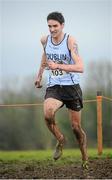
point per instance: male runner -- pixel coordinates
(62, 59)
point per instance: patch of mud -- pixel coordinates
(98, 169)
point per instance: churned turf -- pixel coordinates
(39, 164)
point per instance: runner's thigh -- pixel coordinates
(51, 105)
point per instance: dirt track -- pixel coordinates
(98, 169)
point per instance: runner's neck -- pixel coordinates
(57, 40)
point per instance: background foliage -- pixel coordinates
(24, 128)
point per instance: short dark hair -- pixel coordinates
(57, 16)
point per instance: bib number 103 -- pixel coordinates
(57, 72)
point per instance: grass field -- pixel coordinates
(42, 155)
(39, 164)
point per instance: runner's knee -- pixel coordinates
(79, 133)
(75, 126)
(76, 129)
(49, 115)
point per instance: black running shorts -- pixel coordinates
(71, 95)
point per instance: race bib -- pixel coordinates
(57, 72)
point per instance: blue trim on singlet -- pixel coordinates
(59, 42)
(70, 58)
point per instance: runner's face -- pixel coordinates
(55, 28)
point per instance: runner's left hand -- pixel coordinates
(52, 65)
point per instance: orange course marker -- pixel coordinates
(99, 122)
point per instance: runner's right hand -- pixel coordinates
(37, 84)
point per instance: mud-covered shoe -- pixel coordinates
(59, 150)
(85, 165)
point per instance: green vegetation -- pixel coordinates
(23, 128)
(69, 155)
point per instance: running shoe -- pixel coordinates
(59, 150)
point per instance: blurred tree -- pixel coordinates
(99, 78)
(24, 127)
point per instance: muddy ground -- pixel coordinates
(98, 169)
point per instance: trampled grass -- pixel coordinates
(45, 155)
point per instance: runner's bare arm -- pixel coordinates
(77, 67)
(42, 65)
